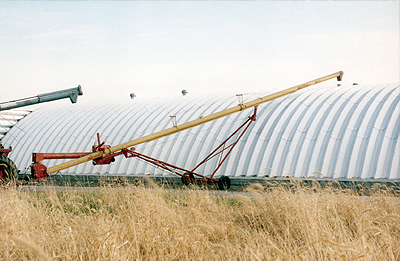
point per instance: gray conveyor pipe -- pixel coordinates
(71, 93)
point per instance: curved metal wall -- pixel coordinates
(9, 118)
(345, 132)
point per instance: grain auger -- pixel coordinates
(105, 154)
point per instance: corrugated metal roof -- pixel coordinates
(9, 119)
(341, 132)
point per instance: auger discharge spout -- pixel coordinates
(71, 93)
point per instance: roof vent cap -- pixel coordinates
(132, 95)
(184, 92)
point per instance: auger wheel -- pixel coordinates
(224, 183)
(187, 178)
(8, 171)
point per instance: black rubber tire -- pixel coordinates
(9, 172)
(224, 183)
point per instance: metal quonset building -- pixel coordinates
(338, 132)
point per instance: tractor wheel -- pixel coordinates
(8, 171)
(224, 183)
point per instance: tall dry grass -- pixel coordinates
(280, 222)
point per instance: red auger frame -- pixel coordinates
(5, 152)
(189, 176)
(38, 169)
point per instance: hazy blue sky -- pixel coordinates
(159, 48)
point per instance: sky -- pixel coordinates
(153, 48)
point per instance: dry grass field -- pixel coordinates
(279, 222)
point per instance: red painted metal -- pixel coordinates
(184, 173)
(104, 161)
(38, 157)
(38, 169)
(189, 175)
(5, 152)
(216, 152)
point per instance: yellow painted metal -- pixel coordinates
(191, 124)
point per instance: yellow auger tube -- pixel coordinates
(191, 124)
